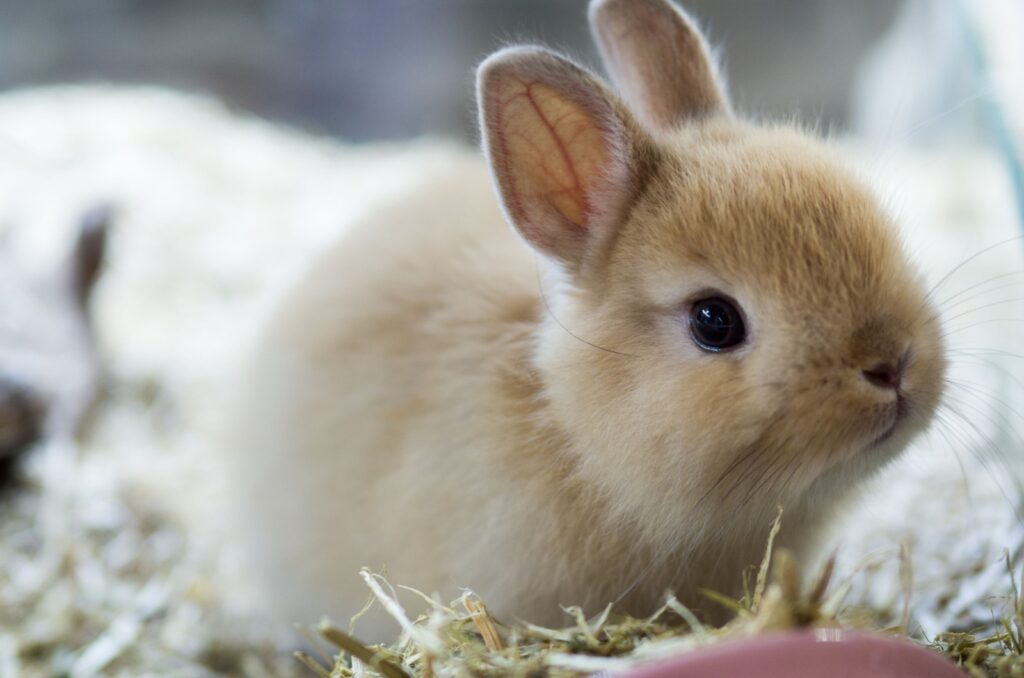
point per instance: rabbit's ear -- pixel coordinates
(86, 258)
(657, 57)
(563, 150)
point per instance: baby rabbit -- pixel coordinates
(48, 367)
(691, 322)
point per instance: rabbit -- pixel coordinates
(692, 321)
(49, 371)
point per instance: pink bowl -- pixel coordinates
(817, 653)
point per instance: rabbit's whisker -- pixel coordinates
(942, 281)
(986, 452)
(551, 314)
(982, 307)
(946, 305)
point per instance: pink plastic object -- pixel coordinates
(818, 653)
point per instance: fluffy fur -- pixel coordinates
(435, 399)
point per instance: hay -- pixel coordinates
(95, 583)
(463, 639)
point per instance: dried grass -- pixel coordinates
(463, 639)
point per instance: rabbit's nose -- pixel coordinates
(885, 375)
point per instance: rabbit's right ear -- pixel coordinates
(657, 57)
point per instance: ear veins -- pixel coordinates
(562, 152)
(576, 211)
(567, 194)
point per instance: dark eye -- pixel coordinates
(716, 324)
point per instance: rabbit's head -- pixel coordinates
(733, 323)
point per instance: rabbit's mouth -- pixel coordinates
(886, 435)
(896, 413)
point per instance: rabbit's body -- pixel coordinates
(437, 401)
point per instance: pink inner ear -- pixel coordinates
(553, 152)
(659, 60)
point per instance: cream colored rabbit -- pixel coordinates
(692, 321)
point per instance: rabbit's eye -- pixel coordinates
(716, 324)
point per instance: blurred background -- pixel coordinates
(400, 68)
(397, 68)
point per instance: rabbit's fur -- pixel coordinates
(528, 416)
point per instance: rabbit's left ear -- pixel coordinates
(565, 154)
(657, 57)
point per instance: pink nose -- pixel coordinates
(885, 375)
